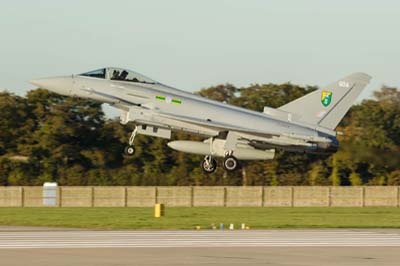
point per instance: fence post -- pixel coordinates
(22, 197)
(92, 197)
(262, 196)
(191, 196)
(156, 195)
(329, 196)
(59, 197)
(125, 197)
(225, 196)
(363, 196)
(292, 197)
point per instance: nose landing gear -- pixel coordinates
(209, 164)
(130, 149)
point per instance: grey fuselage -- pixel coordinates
(159, 99)
(192, 106)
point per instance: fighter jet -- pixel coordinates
(304, 125)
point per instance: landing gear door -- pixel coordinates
(154, 131)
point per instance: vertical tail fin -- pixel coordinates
(327, 106)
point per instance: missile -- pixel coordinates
(242, 152)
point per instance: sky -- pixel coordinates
(195, 44)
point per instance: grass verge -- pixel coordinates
(188, 218)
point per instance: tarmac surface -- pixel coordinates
(45, 246)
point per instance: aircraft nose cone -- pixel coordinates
(35, 82)
(60, 85)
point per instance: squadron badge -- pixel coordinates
(326, 98)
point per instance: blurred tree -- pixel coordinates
(394, 178)
(14, 121)
(47, 137)
(221, 93)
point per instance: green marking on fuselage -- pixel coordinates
(160, 98)
(176, 101)
(164, 99)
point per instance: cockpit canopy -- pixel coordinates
(118, 74)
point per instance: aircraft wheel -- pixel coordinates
(230, 163)
(209, 165)
(130, 150)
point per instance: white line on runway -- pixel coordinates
(254, 238)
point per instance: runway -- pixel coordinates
(201, 238)
(61, 247)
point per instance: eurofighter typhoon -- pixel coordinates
(304, 125)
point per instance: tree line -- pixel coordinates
(46, 137)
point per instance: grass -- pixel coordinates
(188, 218)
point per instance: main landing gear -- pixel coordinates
(230, 163)
(209, 164)
(130, 149)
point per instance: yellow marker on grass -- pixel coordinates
(159, 210)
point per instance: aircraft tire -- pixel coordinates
(129, 150)
(230, 163)
(209, 169)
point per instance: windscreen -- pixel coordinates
(98, 73)
(128, 75)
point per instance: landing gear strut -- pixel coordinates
(209, 164)
(130, 149)
(230, 163)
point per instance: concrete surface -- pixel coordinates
(219, 196)
(36, 246)
(381, 196)
(109, 197)
(299, 256)
(275, 196)
(8, 228)
(48, 246)
(311, 196)
(10, 196)
(201, 238)
(208, 196)
(244, 196)
(175, 196)
(141, 196)
(347, 196)
(32, 196)
(78, 196)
